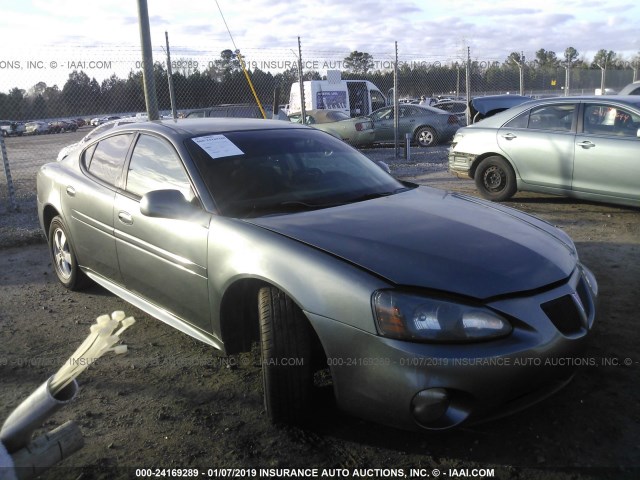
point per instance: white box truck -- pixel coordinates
(354, 97)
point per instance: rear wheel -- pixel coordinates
(287, 375)
(495, 179)
(426, 137)
(63, 257)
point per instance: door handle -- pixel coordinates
(125, 217)
(71, 191)
(586, 144)
(509, 136)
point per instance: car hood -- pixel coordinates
(437, 240)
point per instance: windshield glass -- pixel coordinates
(266, 172)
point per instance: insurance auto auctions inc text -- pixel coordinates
(370, 473)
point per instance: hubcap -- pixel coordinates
(61, 254)
(426, 138)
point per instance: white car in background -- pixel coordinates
(36, 128)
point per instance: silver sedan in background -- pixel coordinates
(583, 147)
(260, 231)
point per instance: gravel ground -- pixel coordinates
(172, 403)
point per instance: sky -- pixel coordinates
(45, 40)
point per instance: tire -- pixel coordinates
(426, 137)
(285, 337)
(63, 257)
(495, 179)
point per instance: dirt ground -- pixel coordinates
(170, 402)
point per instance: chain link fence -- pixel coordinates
(54, 97)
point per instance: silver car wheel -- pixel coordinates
(426, 137)
(61, 254)
(63, 257)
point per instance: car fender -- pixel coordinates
(239, 251)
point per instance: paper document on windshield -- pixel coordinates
(218, 146)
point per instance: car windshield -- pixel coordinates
(266, 172)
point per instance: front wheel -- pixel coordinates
(64, 258)
(426, 137)
(495, 179)
(285, 338)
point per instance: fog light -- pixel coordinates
(430, 405)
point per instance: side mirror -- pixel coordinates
(169, 204)
(384, 166)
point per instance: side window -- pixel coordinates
(108, 158)
(199, 114)
(552, 117)
(155, 165)
(386, 114)
(608, 120)
(521, 121)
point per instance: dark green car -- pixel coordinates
(246, 231)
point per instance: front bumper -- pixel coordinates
(439, 386)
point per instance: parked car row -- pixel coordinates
(94, 122)
(39, 127)
(11, 128)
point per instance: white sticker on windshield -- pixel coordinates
(218, 146)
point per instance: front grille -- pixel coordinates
(566, 313)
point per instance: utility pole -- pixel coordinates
(396, 125)
(147, 62)
(567, 75)
(468, 83)
(172, 97)
(303, 110)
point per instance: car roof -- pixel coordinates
(500, 118)
(193, 127)
(631, 89)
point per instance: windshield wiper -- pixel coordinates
(372, 195)
(300, 206)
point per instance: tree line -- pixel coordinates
(225, 82)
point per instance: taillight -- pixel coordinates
(360, 126)
(452, 119)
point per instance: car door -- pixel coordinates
(607, 157)
(410, 118)
(383, 124)
(87, 203)
(540, 143)
(161, 259)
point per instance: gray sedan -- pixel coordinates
(239, 232)
(582, 147)
(425, 125)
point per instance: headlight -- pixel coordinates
(412, 317)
